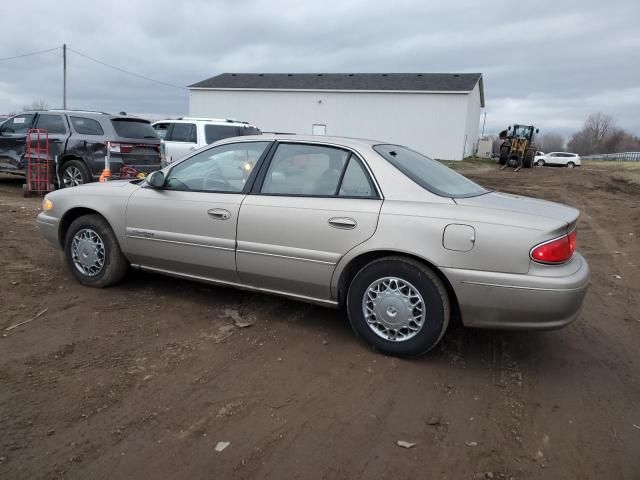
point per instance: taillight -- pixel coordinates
(115, 147)
(557, 250)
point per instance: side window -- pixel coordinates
(18, 124)
(297, 169)
(86, 126)
(182, 132)
(355, 182)
(54, 124)
(219, 169)
(213, 133)
(161, 129)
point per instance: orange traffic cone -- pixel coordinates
(105, 175)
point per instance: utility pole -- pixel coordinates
(64, 76)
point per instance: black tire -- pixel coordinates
(114, 265)
(74, 172)
(427, 284)
(571, 165)
(504, 154)
(540, 163)
(514, 161)
(527, 161)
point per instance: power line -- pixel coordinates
(122, 70)
(30, 54)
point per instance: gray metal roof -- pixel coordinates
(427, 82)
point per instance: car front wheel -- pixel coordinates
(571, 165)
(398, 306)
(92, 252)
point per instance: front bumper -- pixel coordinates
(546, 298)
(48, 227)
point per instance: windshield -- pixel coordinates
(429, 174)
(521, 131)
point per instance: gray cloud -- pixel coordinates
(549, 63)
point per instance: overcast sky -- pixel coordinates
(548, 63)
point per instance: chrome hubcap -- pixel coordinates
(393, 309)
(87, 252)
(72, 177)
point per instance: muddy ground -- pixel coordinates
(144, 379)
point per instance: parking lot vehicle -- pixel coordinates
(564, 159)
(79, 140)
(182, 136)
(537, 157)
(517, 149)
(397, 239)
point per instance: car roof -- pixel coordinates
(339, 141)
(214, 121)
(88, 113)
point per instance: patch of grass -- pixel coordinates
(629, 171)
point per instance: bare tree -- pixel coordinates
(36, 105)
(551, 142)
(598, 126)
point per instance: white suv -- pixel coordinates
(565, 159)
(186, 134)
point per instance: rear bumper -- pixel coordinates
(48, 227)
(546, 298)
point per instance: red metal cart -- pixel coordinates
(39, 165)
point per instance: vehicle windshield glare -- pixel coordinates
(429, 174)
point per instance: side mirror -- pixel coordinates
(537, 130)
(156, 179)
(509, 128)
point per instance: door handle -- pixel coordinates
(344, 223)
(219, 214)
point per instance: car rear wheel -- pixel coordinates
(92, 252)
(540, 163)
(74, 173)
(398, 306)
(570, 164)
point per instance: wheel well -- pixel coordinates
(360, 261)
(68, 219)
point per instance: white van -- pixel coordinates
(186, 134)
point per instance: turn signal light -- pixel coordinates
(47, 204)
(558, 250)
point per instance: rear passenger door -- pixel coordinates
(181, 139)
(309, 207)
(88, 142)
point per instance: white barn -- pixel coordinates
(437, 114)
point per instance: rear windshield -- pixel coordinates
(250, 131)
(213, 133)
(429, 174)
(130, 128)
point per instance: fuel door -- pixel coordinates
(458, 237)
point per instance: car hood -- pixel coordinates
(524, 207)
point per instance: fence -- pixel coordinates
(619, 157)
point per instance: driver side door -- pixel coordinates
(13, 141)
(188, 226)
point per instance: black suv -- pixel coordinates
(79, 139)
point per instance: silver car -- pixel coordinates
(398, 240)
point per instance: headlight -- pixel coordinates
(47, 204)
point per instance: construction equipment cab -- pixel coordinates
(517, 149)
(182, 136)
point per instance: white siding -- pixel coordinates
(472, 124)
(435, 124)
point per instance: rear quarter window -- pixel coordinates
(86, 126)
(213, 133)
(130, 128)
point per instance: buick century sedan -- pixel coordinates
(400, 241)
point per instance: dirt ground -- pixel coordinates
(143, 380)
